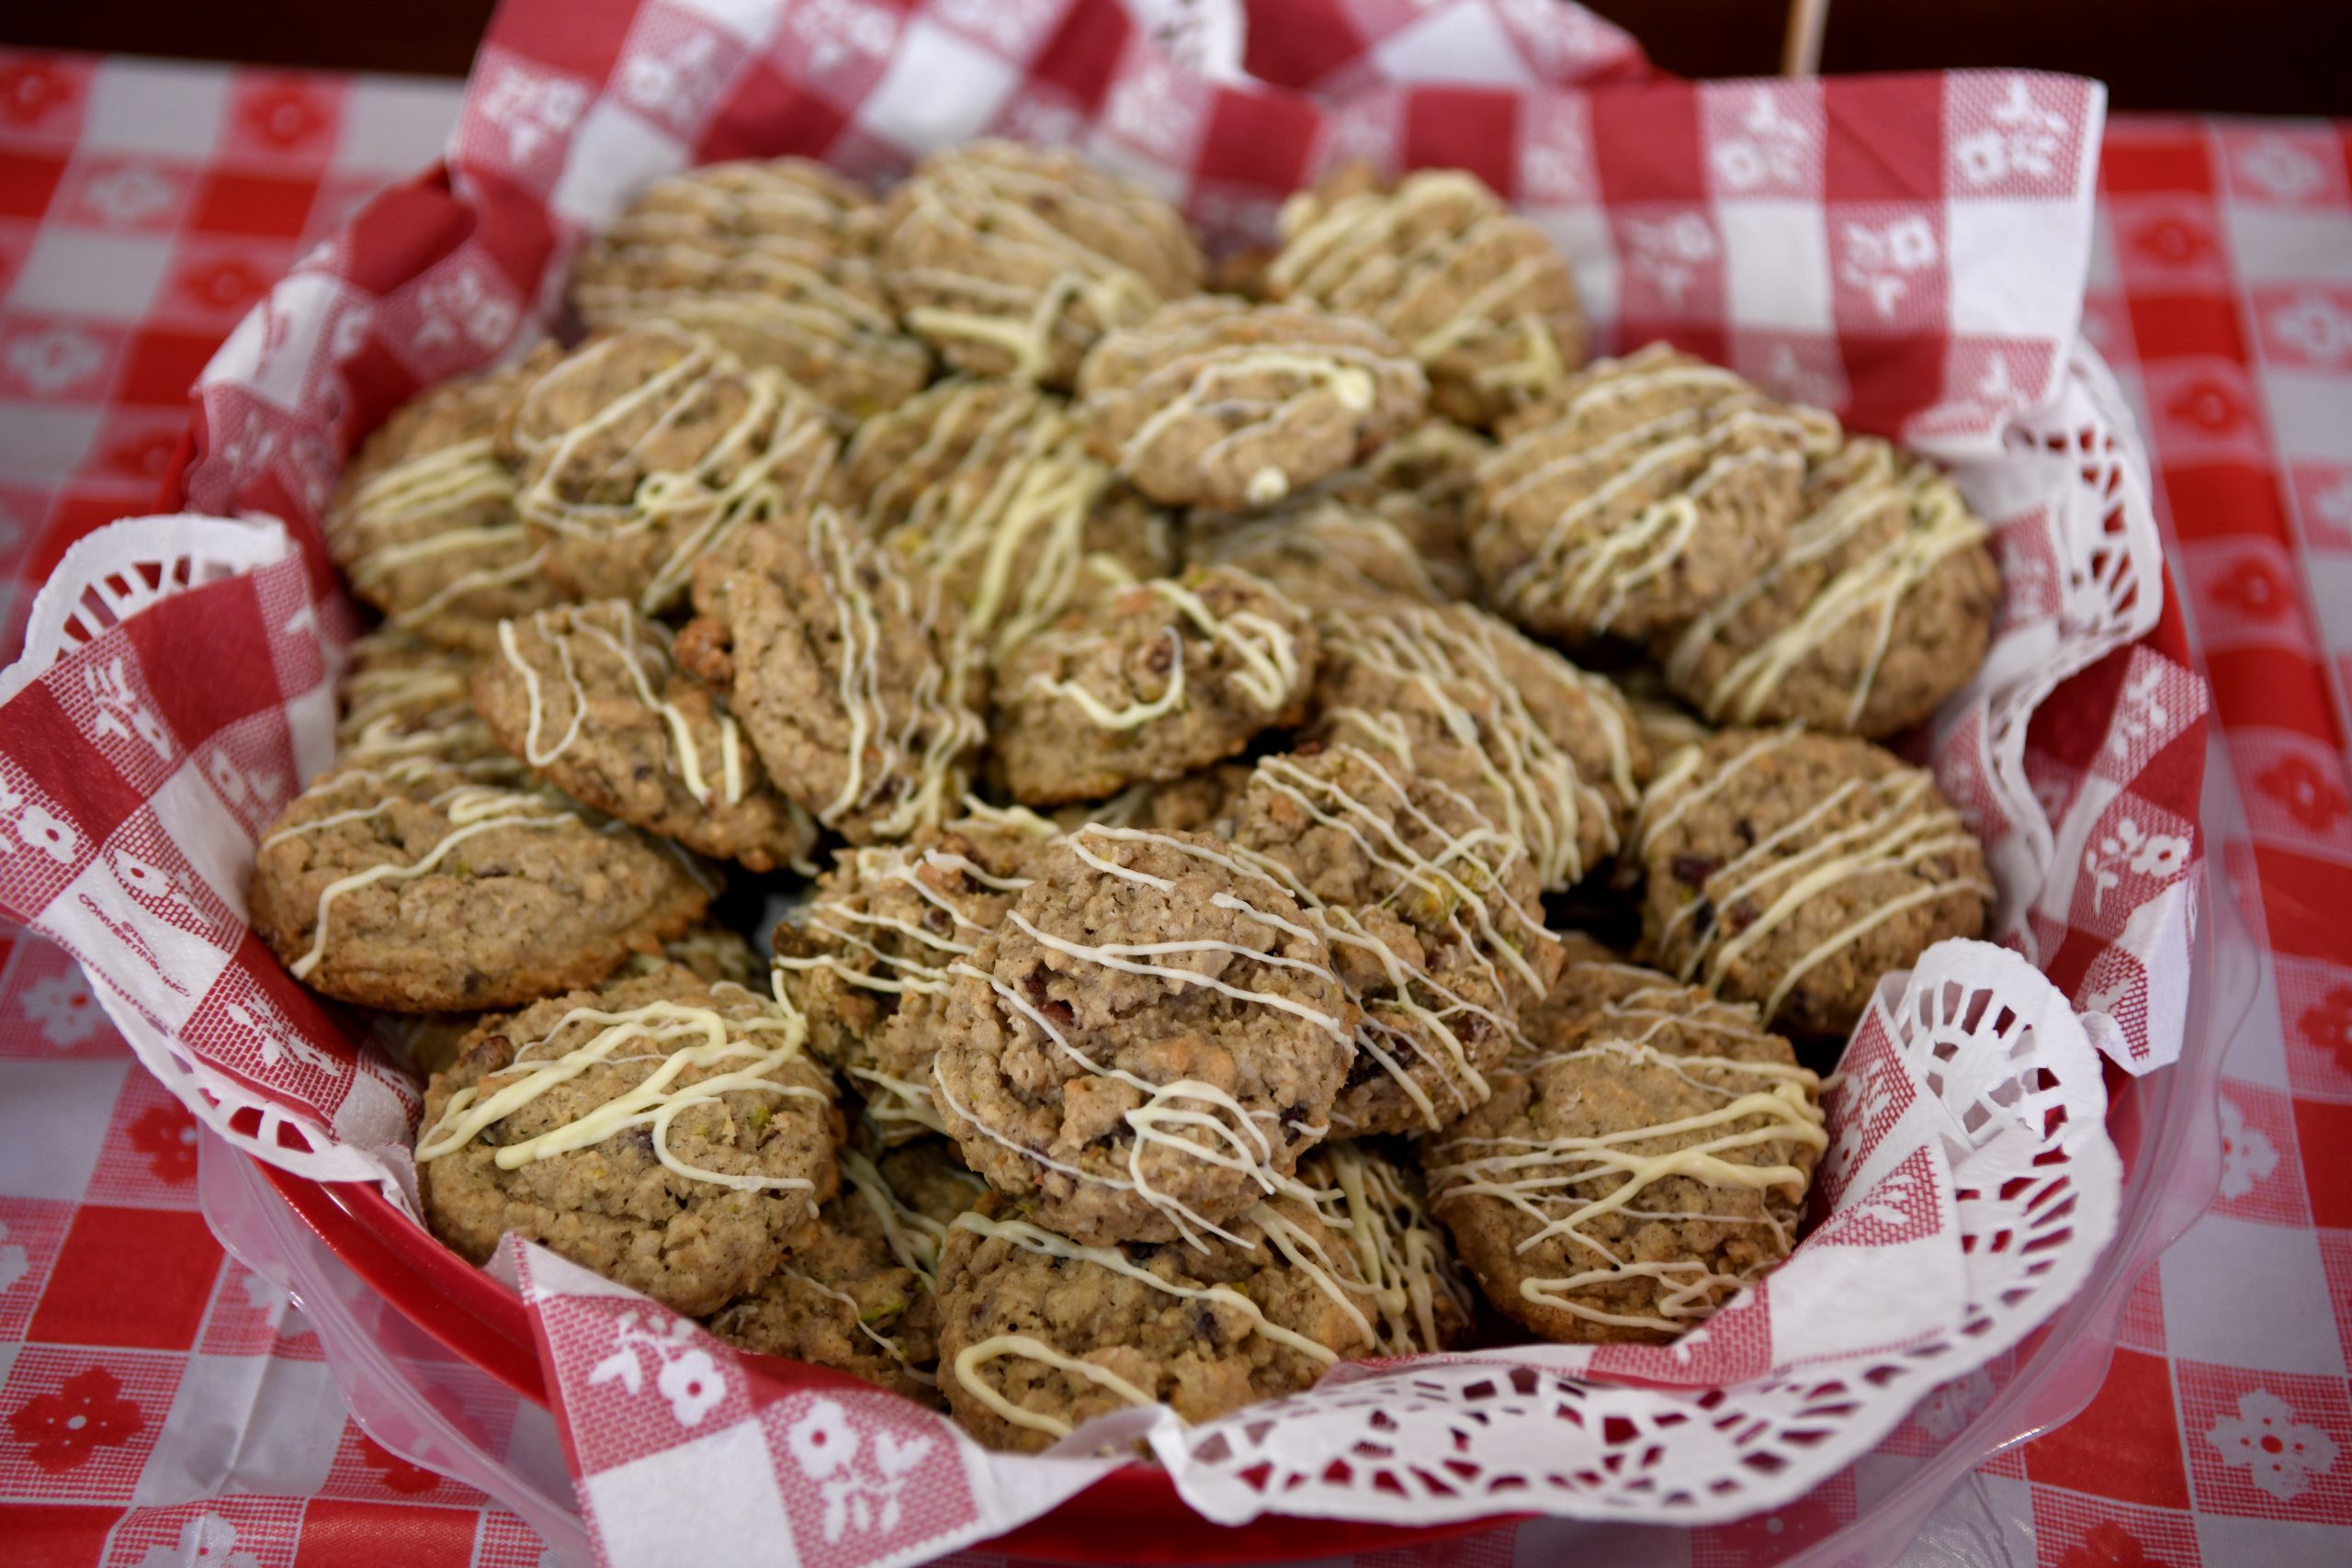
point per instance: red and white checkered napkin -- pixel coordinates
(1907, 251)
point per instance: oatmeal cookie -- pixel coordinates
(1324, 552)
(668, 1134)
(1641, 491)
(771, 259)
(423, 522)
(845, 670)
(1545, 749)
(711, 954)
(1039, 1334)
(1879, 608)
(417, 887)
(405, 699)
(1149, 683)
(1791, 870)
(879, 940)
(1476, 294)
(1434, 920)
(591, 700)
(1013, 260)
(987, 487)
(1647, 1160)
(642, 451)
(1216, 402)
(860, 1298)
(1378, 1207)
(1149, 1042)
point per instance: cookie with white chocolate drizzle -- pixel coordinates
(1012, 260)
(417, 886)
(1039, 1334)
(590, 699)
(1473, 292)
(1216, 402)
(1434, 920)
(1879, 608)
(1545, 749)
(1638, 494)
(1378, 1207)
(1149, 683)
(1793, 870)
(403, 698)
(667, 1133)
(423, 521)
(988, 486)
(644, 450)
(1148, 1042)
(846, 669)
(876, 944)
(1646, 1160)
(1323, 553)
(860, 1298)
(774, 260)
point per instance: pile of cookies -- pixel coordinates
(1155, 797)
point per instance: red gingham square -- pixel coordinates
(56, 1535)
(31, 1232)
(2070, 1531)
(27, 181)
(135, 446)
(239, 1532)
(136, 1278)
(2261, 1178)
(149, 1154)
(2122, 1445)
(78, 1423)
(2323, 1129)
(2268, 1445)
(337, 1534)
(2294, 785)
(2225, 500)
(269, 207)
(507, 1542)
(1768, 1537)
(164, 365)
(2169, 243)
(46, 95)
(2143, 1325)
(2148, 154)
(214, 279)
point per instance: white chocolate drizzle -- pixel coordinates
(739, 1052)
(1564, 1184)
(1923, 522)
(1407, 1268)
(1903, 827)
(1266, 669)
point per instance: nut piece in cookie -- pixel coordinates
(668, 1134)
(1791, 870)
(1148, 1042)
(642, 451)
(1547, 752)
(1879, 608)
(877, 944)
(1641, 1165)
(417, 887)
(774, 260)
(1038, 1333)
(1434, 918)
(860, 1298)
(422, 522)
(845, 670)
(1217, 403)
(1476, 294)
(1378, 1208)
(1641, 491)
(1149, 683)
(591, 700)
(986, 486)
(1013, 260)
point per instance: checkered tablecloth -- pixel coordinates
(161, 1405)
